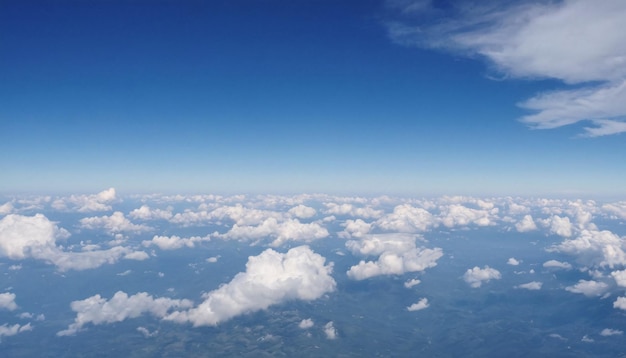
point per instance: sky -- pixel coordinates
(369, 97)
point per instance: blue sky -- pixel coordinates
(372, 97)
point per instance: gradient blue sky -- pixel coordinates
(369, 97)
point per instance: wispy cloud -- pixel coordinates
(578, 42)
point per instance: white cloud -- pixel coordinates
(560, 225)
(6, 330)
(213, 259)
(420, 305)
(620, 277)
(526, 224)
(611, 332)
(288, 230)
(406, 218)
(86, 203)
(302, 211)
(595, 248)
(7, 301)
(270, 278)
(588, 288)
(147, 213)
(174, 242)
(115, 223)
(330, 330)
(557, 264)
(306, 323)
(351, 210)
(97, 310)
(146, 333)
(574, 41)
(6, 208)
(354, 228)
(620, 303)
(412, 282)
(476, 276)
(459, 215)
(616, 209)
(532, 286)
(512, 261)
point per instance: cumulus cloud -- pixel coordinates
(539, 40)
(35, 237)
(420, 305)
(595, 248)
(459, 215)
(406, 218)
(526, 224)
(355, 228)
(532, 286)
(174, 242)
(306, 323)
(302, 211)
(347, 209)
(270, 278)
(86, 203)
(412, 282)
(6, 208)
(97, 310)
(7, 301)
(620, 277)
(114, 223)
(476, 276)
(397, 254)
(281, 232)
(588, 288)
(557, 264)
(147, 213)
(330, 330)
(620, 303)
(512, 261)
(7, 331)
(616, 209)
(611, 332)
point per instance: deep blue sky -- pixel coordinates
(271, 96)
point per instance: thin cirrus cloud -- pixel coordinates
(578, 42)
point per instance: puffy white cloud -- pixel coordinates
(6, 330)
(147, 213)
(376, 244)
(540, 40)
(406, 218)
(174, 242)
(616, 209)
(588, 288)
(532, 286)
(420, 305)
(146, 333)
(476, 276)
(98, 310)
(620, 277)
(302, 211)
(270, 278)
(352, 210)
(459, 215)
(391, 263)
(557, 264)
(611, 332)
(6, 208)
(330, 330)
(288, 230)
(561, 226)
(412, 282)
(512, 261)
(620, 303)
(306, 323)
(115, 223)
(526, 224)
(35, 237)
(7, 301)
(595, 248)
(355, 228)
(86, 203)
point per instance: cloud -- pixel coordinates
(420, 305)
(406, 218)
(146, 333)
(532, 286)
(512, 261)
(288, 230)
(557, 264)
(6, 208)
(620, 277)
(351, 210)
(306, 323)
(354, 228)
(526, 224)
(97, 310)
(35, 237)
(270, 278)
(620, 303)
(476, 276)
(86, 203)
(115, 223)
(412, 282)
(588, 288)
(577, 42)
(459, 215)
(146, 213)
(6, 330)
(7, 301)
(174, 242)
(616, 209)
(611, 332)
(397, 254)
(330, 330)
(302, 211)
(595, 248)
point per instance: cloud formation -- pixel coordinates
(270, 278)
(574, 41)
(86, 203)
(532, 286)
(476, 276)
(7, 301)
(420, 305)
